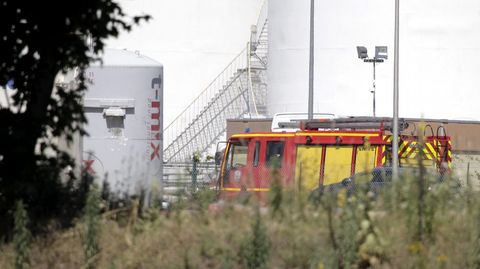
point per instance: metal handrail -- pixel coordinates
(229, 85)
(262, 17)
(174, 140)
(216, 85)
(206, 88)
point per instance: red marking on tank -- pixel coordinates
(88, 167)
(156, 104)
(155, 152)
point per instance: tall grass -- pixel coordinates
(92, 228)
(22, 237)
(399, 227)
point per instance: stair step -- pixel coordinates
(202, 131)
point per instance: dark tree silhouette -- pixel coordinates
(38, 41)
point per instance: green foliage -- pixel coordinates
(203, 198)
(255, 249)
(328, 203)
(105, 192)
(474, 255)
(370, 245)
(348, 227)
(335, 230)
(92, 229)
(276, 196)
(196, 157)
(38, 44)
(21, 237)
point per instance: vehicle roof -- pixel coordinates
(308, 133)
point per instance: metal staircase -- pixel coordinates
(239, 91)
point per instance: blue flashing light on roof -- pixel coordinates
(10, 85)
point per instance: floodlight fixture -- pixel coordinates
(381, 52)
(362, 52)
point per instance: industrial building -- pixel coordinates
(439, 62)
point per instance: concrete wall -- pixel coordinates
(235, 126)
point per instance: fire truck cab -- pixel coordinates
(321, 153)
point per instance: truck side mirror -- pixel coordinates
(218, 157)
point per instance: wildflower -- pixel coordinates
(415, 247)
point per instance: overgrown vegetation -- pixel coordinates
(22, 237)
(334, 230)
(38, 44)
(91, 233)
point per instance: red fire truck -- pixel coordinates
(322, 153)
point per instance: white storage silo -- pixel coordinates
(124, 109)
(439, 57)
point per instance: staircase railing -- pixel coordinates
(209, 124)
(236, 91)
(186, 117)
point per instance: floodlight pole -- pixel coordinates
(311, 63)
(374, 60)
(374, 87)
(395, 93)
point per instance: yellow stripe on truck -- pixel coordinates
(429, 151)
(336, 134)
(248, 189)
(303, 134)
(262, 135)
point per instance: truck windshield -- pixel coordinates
(237, 155)
(236, 158)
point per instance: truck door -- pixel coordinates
(235, 166)
(268, 163)
(307, 167)
(337, 163)
(258, 172)
(365, 158)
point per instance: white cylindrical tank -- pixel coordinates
(439, 57)
(123, 106)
